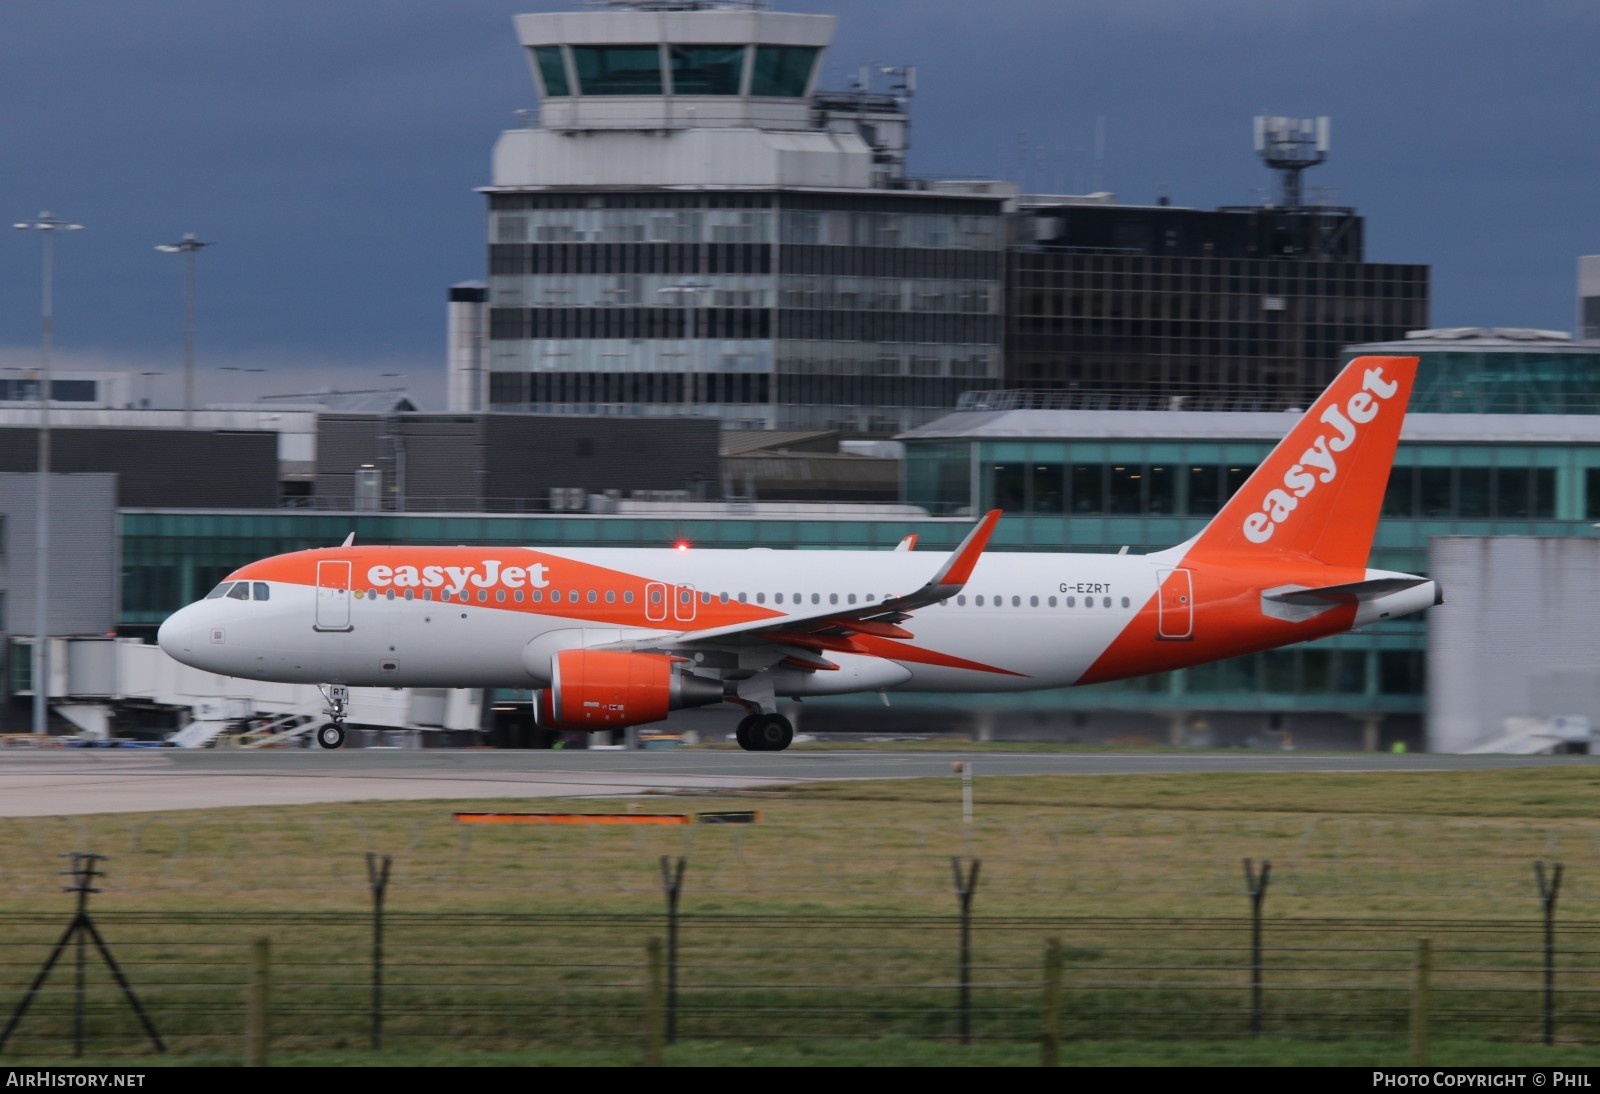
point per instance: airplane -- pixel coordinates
(614, 637)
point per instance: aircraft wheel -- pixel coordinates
(769, 733)
(742, 734)
(331, 735)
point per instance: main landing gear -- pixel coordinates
(764, 733)
(332, 734)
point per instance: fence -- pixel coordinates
(483, 980)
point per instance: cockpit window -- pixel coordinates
(219, 590)
(240, 591)
(261, 591)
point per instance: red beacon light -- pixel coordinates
(682, 545)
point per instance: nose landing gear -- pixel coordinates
(332, 734)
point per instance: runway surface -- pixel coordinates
(65, 782)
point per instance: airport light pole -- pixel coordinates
(692, 359)
(47, 224)
(188, 246)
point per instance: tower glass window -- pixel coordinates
(552, 71)
(706, 70)
(618, 70)
(782, 72)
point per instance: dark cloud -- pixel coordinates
(331, 150)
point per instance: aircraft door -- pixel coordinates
(333, 596)
(655, 602)
(683, 603)
(1175, 606)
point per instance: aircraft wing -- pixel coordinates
(833, 628)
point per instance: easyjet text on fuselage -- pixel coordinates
(487, 575)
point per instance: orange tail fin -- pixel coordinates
(1319, 493)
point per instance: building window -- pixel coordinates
(782, 72)
(618, 70)
(552, 70)
(706, 70)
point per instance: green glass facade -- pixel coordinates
(1548, 377)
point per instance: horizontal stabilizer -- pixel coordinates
(1350, 592)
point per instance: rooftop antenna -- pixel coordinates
(1289, 146)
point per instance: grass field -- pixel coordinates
(826, 933)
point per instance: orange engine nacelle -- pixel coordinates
(607, 689)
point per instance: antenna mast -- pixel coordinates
(1290, 145)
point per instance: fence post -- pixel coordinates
(1421, 1003)
(1256, 885)
(1051, 1055)
(1549, 889)
(655, 1004)
(672, 881)
(378, 878)
(257, 1000)
(965, 884)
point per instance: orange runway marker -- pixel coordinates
(574, 818)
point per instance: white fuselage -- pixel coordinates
(1022, 621)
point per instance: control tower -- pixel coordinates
(688, 225)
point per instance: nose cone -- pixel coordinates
(173, 637)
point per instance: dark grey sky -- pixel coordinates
(331, 149)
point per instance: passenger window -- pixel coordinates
(1052, 602)
(517, 596)
(1016, 601)
(744, 598)
(220, 590)
(1033, 602)
(852, 598)
(572, 595)
(388, 594)
(500, 596)
(444, 594)
(724, 597)
(961, 601)
(627, 597)
(777, 598)
(262, 591)
(816, 598)
(705, 598)
(537, 596)
(833, 598)
(611, 596)
(1105, 602)
(411, 594)
(1125, 603)
(1072, 602)
(483, 596)
(427, 594)
(555, 596)
(240, 591)
(655, 596)
(592, 596)
(978, 600)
